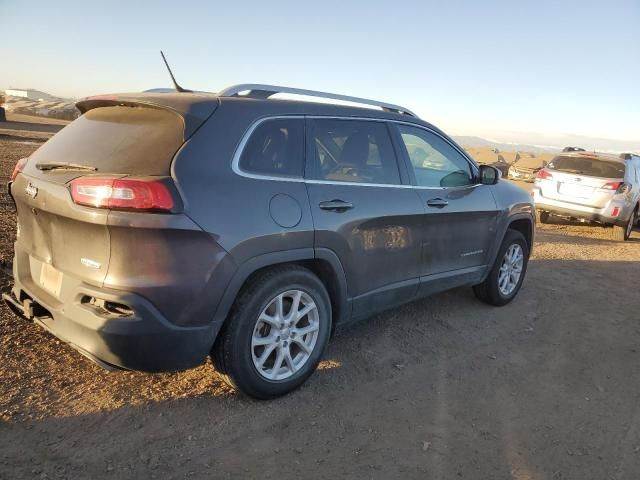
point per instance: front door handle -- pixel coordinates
(437, 203)
(335, 205)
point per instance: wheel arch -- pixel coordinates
(522, 222)
(525, 227)
(322, 262)
(328, 268)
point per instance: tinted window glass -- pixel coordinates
(353, 151)
(531, 162)
(435, 162)
(276, 147)
(591, 167)
(127, 140)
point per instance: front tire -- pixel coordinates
(507, 274)
(277, 331)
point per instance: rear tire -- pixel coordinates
(262, 350)
(496, 289)
(622, 234)
(543, 217)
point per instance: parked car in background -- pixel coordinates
(501, 164)
(591, 186)
(161, 228)
(526, 168)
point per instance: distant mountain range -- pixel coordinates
(29, 101)
(538, 143)
(38, 104)
(471, 141)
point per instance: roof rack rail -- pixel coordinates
(266, 91)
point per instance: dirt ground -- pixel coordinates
(547, 387)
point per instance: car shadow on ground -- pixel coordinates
(560, 236)
(559, 230)
(545, 387)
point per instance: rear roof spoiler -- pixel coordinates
(194, 108)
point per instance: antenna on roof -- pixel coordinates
(173, 79)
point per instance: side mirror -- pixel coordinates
(489, 175)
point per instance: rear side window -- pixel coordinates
(353, 151)
(276, 147)
(126, 140)
(591, 167)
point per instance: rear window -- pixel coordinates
(122, 140)
(591, 167)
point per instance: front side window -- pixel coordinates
(276, 147)
(353, 151)
(435, 162)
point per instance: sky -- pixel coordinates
(504, 70)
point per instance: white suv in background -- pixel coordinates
(591, 186)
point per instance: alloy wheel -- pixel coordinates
(285, 335)
(510, 269)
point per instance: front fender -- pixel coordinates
(517, 211)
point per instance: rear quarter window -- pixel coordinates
(275, 148)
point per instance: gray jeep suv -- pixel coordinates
(160, 228)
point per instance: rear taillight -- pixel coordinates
(611, 186)
(122, 193)
(18, 168)
(618, 187)
(543, 175)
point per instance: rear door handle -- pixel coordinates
(437, 203)
(335, 205)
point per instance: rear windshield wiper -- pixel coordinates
(47, 166)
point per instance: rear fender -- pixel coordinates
(246, 269)
(259, 262)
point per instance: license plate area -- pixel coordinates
(50, 279)
(575, 190)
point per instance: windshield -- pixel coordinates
(591, 167)
(529, 162)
